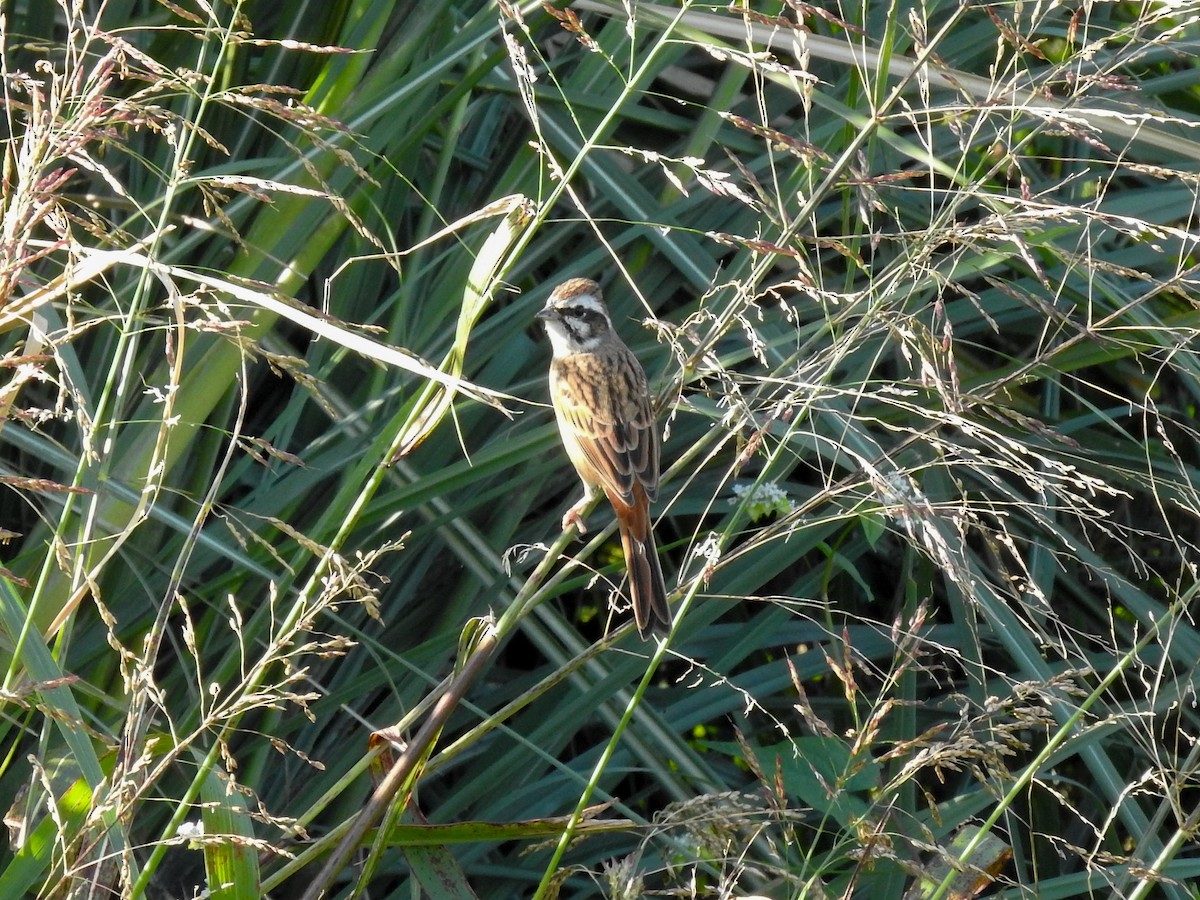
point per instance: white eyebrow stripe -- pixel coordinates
(588, 301)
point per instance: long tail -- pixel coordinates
(646, 586)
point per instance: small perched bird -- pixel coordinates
(602, 403)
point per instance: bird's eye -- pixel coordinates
(587, 314)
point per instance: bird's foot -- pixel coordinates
(574, 516)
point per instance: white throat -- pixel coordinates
(562, 343)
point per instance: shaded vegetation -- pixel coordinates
(915, 288)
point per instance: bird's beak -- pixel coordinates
(544, 313)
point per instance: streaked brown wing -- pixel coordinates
(606, 404)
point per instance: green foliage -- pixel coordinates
(915, 287)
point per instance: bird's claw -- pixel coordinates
(574, 516)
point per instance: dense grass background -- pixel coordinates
(915, 285)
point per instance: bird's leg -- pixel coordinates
(574, 515)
